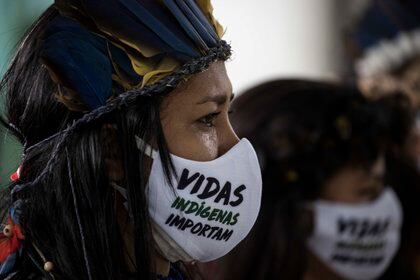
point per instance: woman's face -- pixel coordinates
(195, 116)
(355, 184)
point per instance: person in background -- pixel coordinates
(326, 211)
(385, 48)
(131, 168)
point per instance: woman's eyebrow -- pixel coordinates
(219, 99)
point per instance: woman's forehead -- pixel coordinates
(210, 85)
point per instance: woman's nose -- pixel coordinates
(227, 140)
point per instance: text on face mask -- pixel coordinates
(211, 189)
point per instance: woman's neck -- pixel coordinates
(159, 263)
(317, 270)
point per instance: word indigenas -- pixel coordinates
(205, 212)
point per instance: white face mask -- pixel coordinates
(211, 207)
(357, 241)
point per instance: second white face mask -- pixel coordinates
(212, 205)
(357, 241)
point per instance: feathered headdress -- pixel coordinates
(105, 54)
(98, 49)
(387, 36)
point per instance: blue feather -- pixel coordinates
(123, 65)
(8, 265)
(186, 24)
(149, 20)
(113, 17)
(180, 30)
(203, 19)
(84, 62)
(78, 59)
(205, 33)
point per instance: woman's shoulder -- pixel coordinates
(175, 273)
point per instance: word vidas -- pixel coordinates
(361, 228)
(212, 188)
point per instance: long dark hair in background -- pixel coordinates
(304, 132)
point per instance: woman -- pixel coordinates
(326, 213)
(385, 47)
(130, 165)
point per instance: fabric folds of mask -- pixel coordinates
(210, 207)
(357, 241)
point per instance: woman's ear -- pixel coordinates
(113, 159)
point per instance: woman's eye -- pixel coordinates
(209, 119)
(369, 193)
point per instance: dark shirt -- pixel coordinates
(174, 274)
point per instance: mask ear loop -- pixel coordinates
(148, 151)
(146, 148)
(81, 231)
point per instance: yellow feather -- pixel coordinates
(165, 67)
(207, 8)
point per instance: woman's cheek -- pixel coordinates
(203, 143)
(207, 146)
(194, 143)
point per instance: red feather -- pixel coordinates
(10, 245)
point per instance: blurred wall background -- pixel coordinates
(286, 38)
(15, 17)
(270, 39)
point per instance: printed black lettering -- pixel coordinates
(218, 234)
(372, 261)
(344, 225)
(213, 229)
(226, 235)
(211, 188)
(224, 194)
(355, 245)
(199, 229)
(198, 184)
(169, 219)
(177, 221)
(188, 224)
(196, 228)
(238, 193)
(385, 226)
(364, 229)
(375, 229)
(204, 230)
(184, 181)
